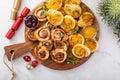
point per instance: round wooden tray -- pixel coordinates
(64, 66)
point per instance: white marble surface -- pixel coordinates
(103, 65)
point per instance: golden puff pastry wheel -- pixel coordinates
(73, 10)
(58, 35)
(48, 44)
(68, 23)
(42, 34)
(55, 17)
(59, 55)
(40, 14)
(54, 4)
(60, 45)
(72, 2)
(92, 44)
(41, 53)
(86, 19)
(89, 32)
(30, 35)
(76, 38)
(80, 51)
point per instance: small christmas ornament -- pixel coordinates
(110, 12)
(29, 67)
(27, 58)
(34, 63)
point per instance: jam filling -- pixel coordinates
(59, 56)
(31, 21)
(42, 54)
(43, 34)
(46, 44)
(58, 35)
(59, 45)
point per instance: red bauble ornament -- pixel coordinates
(34, 63)
(27, 58)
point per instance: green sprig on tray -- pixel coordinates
(71, 59)
(110, 12)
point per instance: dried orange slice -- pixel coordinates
(76, 38)
(89, 32)
(92, 44)
(80, 51)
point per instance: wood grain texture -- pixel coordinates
(18, 49)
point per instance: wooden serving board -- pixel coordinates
(64, 66)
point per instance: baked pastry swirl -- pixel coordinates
(68, 23)
(40, 14)
(30, 35)
(55, 17)
(48, 44)
(58, 35)
(73, 10)
(54, 4)
(72, 2)
(59, 55)
(60, 45)
(86, 19)
(41, 53)
(42, 34)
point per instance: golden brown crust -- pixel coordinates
(60, 45)
(86, 19)
(59, 55)
(48, 44)
(54, 4)
(42, 34)
(40, 14)
(41, 53)
(30, 35)
(58, 35)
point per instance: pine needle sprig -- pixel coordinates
(110, 12)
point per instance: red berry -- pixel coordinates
(34, 63)
(27, 58)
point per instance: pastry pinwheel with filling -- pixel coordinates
(48, 44)
(59, 55)
(42, 34)
(58, 35)
(60, 45)
(30, 35)
(42, 53)
(40, 14)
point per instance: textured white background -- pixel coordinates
(103, 65)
